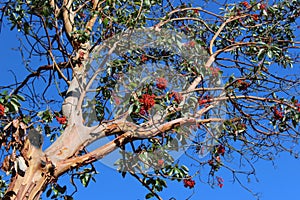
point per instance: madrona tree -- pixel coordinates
(170, 87)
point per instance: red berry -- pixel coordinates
(192, 44)
(221, 150)
(246, 4)
(196, 11)
(147, 101)
(277, 114)
(160, 162)
(161, 83)
(218, 159)
(189, 183)
(144, 58)
(81, 55)
(2, 108)
(143, 111)
(204, 100)
(242, 85)
(263, 6)
(255, 17)
(220, 181)
(214, 71)
(177, 97)
(61, 120)
(298, 105)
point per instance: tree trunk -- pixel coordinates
(29, 183)
(28, 187)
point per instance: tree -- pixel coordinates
(154, 77)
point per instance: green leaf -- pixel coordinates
(231, 78)
(171, 172)
(27, 119)
(270, 54)
(55, 193)
(261, 54)
(184, 168)
(48, 193)
(20, 97)
(149, 195)
(294, 123)
(105, 21)
(124, 174)
(130, 109)
(47, 130)
(60, 189)
(52, 138)
(162, 183)
(85, 179)
(14, 106)
(67, 197)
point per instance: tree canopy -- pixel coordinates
(168, 87)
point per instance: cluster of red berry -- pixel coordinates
(242, 85)
(191, 44)
(61, 120)
(220, 181)
(161, 83)
(248, 6)
(189, 183)
(214, 71)
(221, 150)
(147, 102)
(204, 100)
(277, 114)
(177, 97)
(255, 17)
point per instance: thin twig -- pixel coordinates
(145, 185)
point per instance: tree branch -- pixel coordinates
(58, 68)
(220, 30)
(82, 95)
(145, 185)
(68, 18)
(62, 65)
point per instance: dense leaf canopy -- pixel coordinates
(173, 87)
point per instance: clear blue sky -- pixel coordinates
(283, 182)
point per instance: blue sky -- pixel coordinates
(281, 182)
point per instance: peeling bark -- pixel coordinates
(37, 175)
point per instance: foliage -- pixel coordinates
(228, 91)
